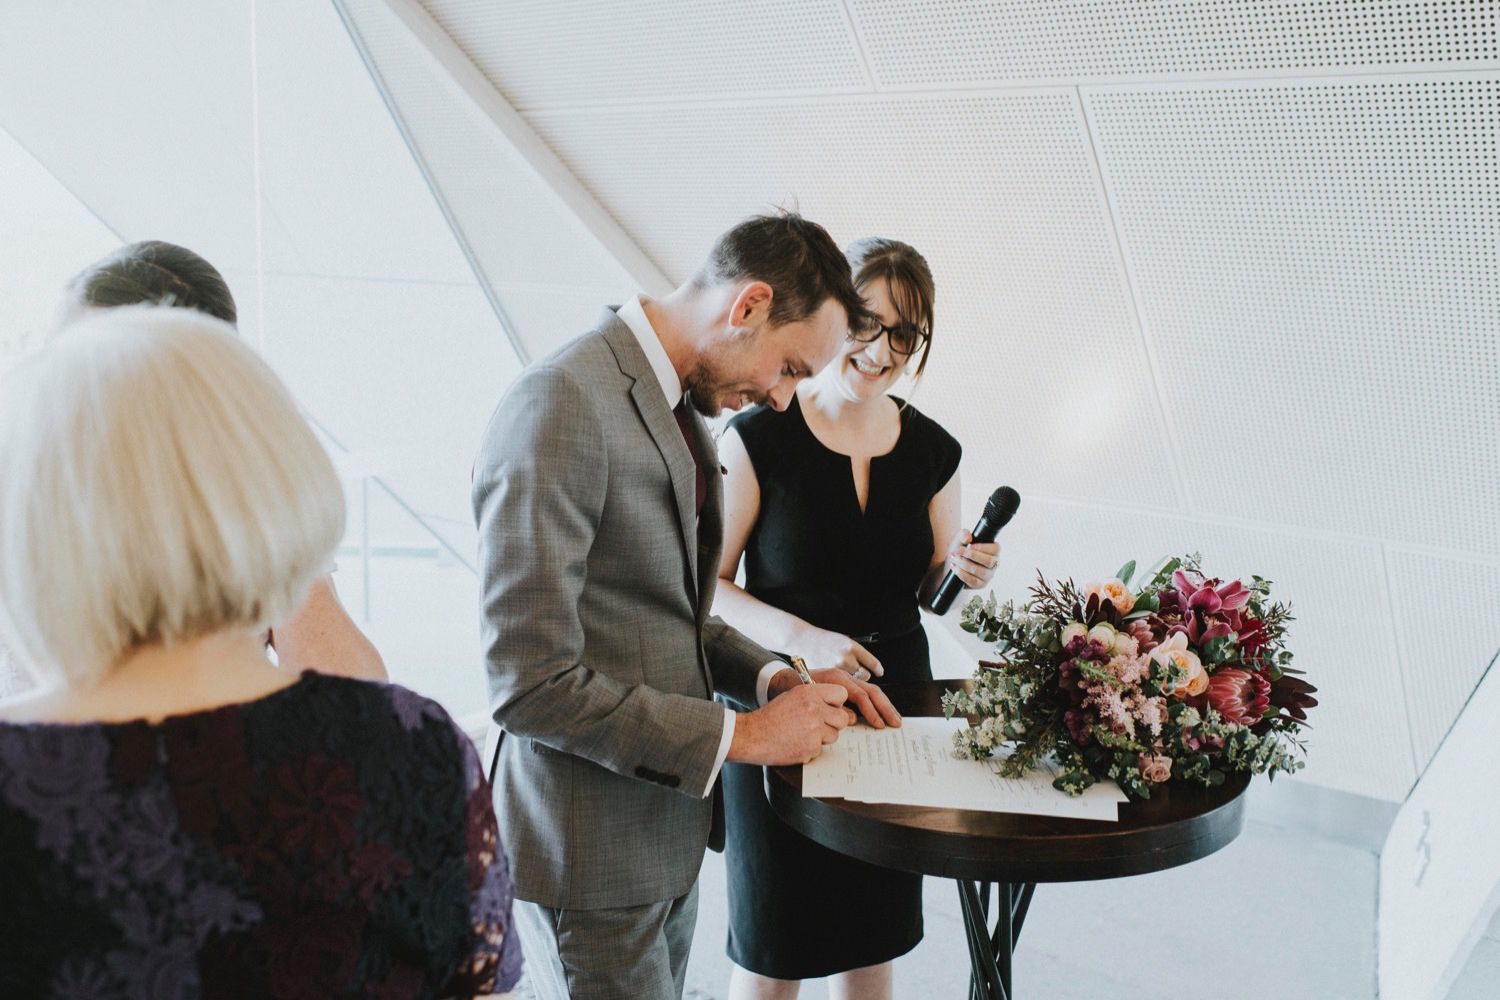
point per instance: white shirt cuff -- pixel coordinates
(724, 742)
(763, 682)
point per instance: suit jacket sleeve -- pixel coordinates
(539, 493)
(736, 659)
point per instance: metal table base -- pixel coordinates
(990, 951)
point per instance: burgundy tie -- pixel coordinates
(684, 424)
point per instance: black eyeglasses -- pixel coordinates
(903, 339)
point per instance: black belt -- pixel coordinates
(888, 634)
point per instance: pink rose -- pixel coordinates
(1156, 768)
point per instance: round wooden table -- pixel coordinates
(1178, 824)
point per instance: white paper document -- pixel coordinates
(915, 765)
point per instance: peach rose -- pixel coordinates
(1175, 653)
(1115, 592)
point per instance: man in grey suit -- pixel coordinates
(598, 500)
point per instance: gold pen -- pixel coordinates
(800, 665)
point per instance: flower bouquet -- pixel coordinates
(1181, 677)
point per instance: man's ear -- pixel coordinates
(751, 306)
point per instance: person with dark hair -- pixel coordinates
(320, 635)
(837, 505)
(597, 497)
(156, 272)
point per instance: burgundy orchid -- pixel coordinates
(1253, 638)
(1210, 609)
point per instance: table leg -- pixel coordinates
(990, 952)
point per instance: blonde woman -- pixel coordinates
(179, 817)
(846, 510)
(319, 634)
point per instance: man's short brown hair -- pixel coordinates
(797, 258)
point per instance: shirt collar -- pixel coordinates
(633, 315)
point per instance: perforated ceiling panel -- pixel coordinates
(1358, 742)
(551, 53)
(1319, 269)
(934, 42)
(1035, 350)
(1448, 613)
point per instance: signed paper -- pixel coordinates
(915, 765)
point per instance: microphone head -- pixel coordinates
(1002, 506)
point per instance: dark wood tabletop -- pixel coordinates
(1178, 824)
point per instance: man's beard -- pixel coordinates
(708, 382)
(701, 396)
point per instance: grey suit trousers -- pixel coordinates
(629, 953)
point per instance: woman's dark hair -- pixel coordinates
(158, 273)
(797, 258)
(907, 276)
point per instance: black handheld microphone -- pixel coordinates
(997, 514)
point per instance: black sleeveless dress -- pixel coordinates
(798, 910)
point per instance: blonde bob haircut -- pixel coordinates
(157, 483)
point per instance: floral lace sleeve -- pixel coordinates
(494, 965)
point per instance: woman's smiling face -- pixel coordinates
(869, 369)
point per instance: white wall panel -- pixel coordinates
(1037, 365)
(923, 43)
(334, 168)
(421, 603)
(46, 236)
(1448, 617)
(163, 144)
(1319, 270)
(1342, 637)
(550, 53)
(159, 144)
(518, 234)
(420, 402)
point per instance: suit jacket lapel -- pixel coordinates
(662, 426)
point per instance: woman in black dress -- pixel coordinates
(837, 505)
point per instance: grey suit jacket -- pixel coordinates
(602, 658)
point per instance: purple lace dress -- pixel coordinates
(332, 839)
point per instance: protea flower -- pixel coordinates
(1239, 696)
(1140, 630)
